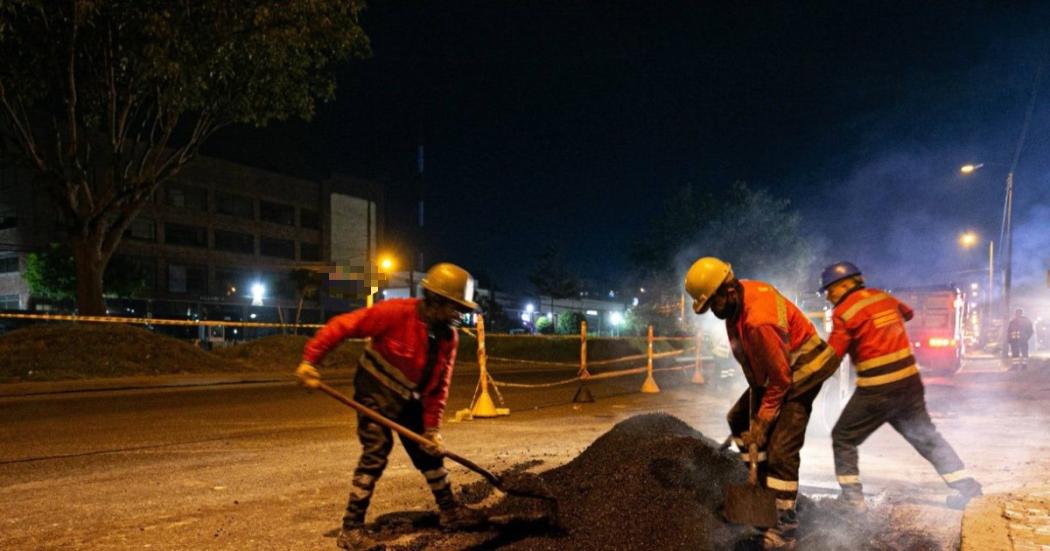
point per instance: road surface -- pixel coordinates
(267, 466)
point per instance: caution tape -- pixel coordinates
(607, 375)
(158, 321)
(593, 363)
(468, 331)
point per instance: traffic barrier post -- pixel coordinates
(698, 375)
(650, 386)
(583, 394)
(483, 407)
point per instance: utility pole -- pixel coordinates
(415, 258)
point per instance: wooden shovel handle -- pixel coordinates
(407, 432)
(752, 472)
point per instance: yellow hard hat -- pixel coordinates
(451, 282)
(704, 278)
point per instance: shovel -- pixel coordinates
(521, 485)
(750, 503)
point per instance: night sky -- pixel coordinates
(569, 122)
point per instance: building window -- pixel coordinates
(309, 251)
(234, 205)
(9, 302)
(8, 220)
(231, 282)
(187, 236)
(187, 197)
(309, 218)
(234, 242)
(135, 270)
(8, 264)
(279, 248)
(187, 279)
(277, 213)
(142, 229)
(8, 178)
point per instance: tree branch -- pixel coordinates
(25, 136)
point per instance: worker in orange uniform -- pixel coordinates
(785, 363)
(404, 374)
(868, 324)
(1019, 332)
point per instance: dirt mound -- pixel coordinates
(283, 353)
(651, 482)
(55, 351)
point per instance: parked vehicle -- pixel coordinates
(936, 331)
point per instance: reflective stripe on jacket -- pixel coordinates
(777, 347)
(868, 324)
(399, 346)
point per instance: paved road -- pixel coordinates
(266, 466)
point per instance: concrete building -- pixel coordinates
(604, 317)
(210, 237)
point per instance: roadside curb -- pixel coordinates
(983, 526)
(1017, 521)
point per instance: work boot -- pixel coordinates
(773, 539)
(851, 502)
(782, 536)
(355, 538)
(963, 497)
(459, 517)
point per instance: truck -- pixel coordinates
(936, 331)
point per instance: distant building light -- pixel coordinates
(973, 286)
(592, 312)
(612, 294)
(252, 315)
(616, 318)
(258, 290)
(642, 289)
(525, 316)
(634, 302)
(530, 308)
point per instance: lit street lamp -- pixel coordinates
(967, 240)
(385, 264)
(1006, 237)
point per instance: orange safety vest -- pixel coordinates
(807, 357)
(869, 325)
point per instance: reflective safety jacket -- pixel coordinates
(401, 345)
(868, 324)
(1020, 329)
(777, 347)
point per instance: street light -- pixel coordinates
(258, 290)
(386, 263)
(1006, 233)
(967, 239)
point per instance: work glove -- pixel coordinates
(757, 433)
(308, 375)
(436, 449)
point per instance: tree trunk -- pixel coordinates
(90, 266)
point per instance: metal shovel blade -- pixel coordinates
(751, 505)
